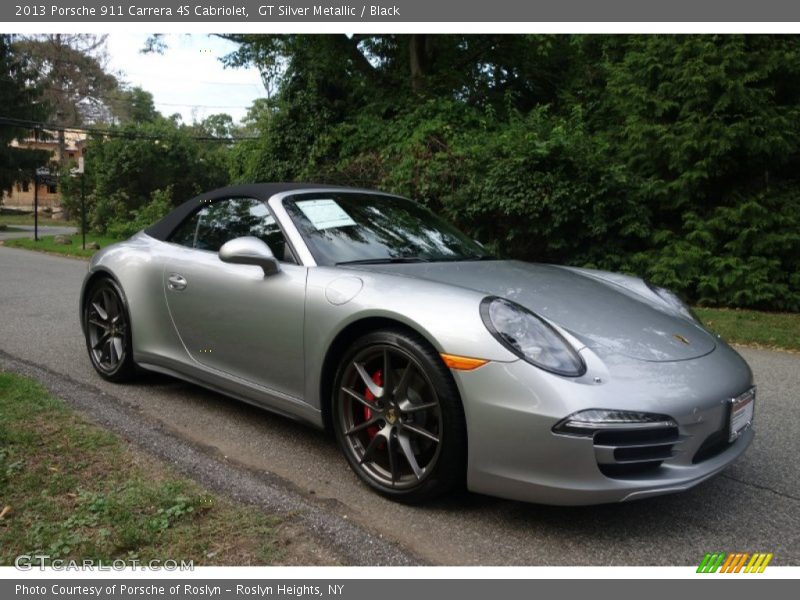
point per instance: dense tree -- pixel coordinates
(674, 157)
(126, 167)
(71, 72)
(397, 68)
(709, 135)
(219, 125)
(20, 99)
(132, 105)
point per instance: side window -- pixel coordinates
(223, 220)
(186, 231)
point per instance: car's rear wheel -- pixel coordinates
(108, 331)
(398, 418)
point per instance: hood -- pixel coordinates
(600, 313)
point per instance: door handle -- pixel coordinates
(176, 282)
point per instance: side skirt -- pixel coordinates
(262, 397)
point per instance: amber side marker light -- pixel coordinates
(462, 363)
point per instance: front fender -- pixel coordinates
(447, 316)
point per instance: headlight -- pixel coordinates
(672, 300)
(530, 338)
(589, 422)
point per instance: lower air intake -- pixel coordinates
(624, 453)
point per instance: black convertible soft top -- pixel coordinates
(161, 230)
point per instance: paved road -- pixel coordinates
(21, 231)
(753, 505)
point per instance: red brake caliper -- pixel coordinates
(377, 377)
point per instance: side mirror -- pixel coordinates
(249, 251)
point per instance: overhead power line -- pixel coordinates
(111, 133)
(196, 81)
(199, 105)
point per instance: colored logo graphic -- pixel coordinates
(735, 562)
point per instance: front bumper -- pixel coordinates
(511, 408)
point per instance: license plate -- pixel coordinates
(741, 413)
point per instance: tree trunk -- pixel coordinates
(419, 58)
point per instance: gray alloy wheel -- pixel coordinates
(398, 418)
(108, 335)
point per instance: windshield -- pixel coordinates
(347, 227)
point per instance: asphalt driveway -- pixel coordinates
(753, 506)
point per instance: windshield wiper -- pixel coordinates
(383, 261)
(466, 258)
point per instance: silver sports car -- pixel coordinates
(433, 363)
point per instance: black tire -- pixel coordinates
(107, 329)
(377, 433)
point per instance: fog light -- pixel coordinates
(588, 422)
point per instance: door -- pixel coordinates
(233, 318)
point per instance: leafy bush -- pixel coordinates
(676, 158)
(160, 204)
(103, 209)
(124, 170)
(743, 255)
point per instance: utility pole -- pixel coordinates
(36, 193)
(83, 208)
(80, 171)
(36, 205)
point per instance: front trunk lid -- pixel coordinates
(599, 313)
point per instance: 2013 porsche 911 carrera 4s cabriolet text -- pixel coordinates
(434, 363)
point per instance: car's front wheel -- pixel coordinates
(398, 418)
(107, 329)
